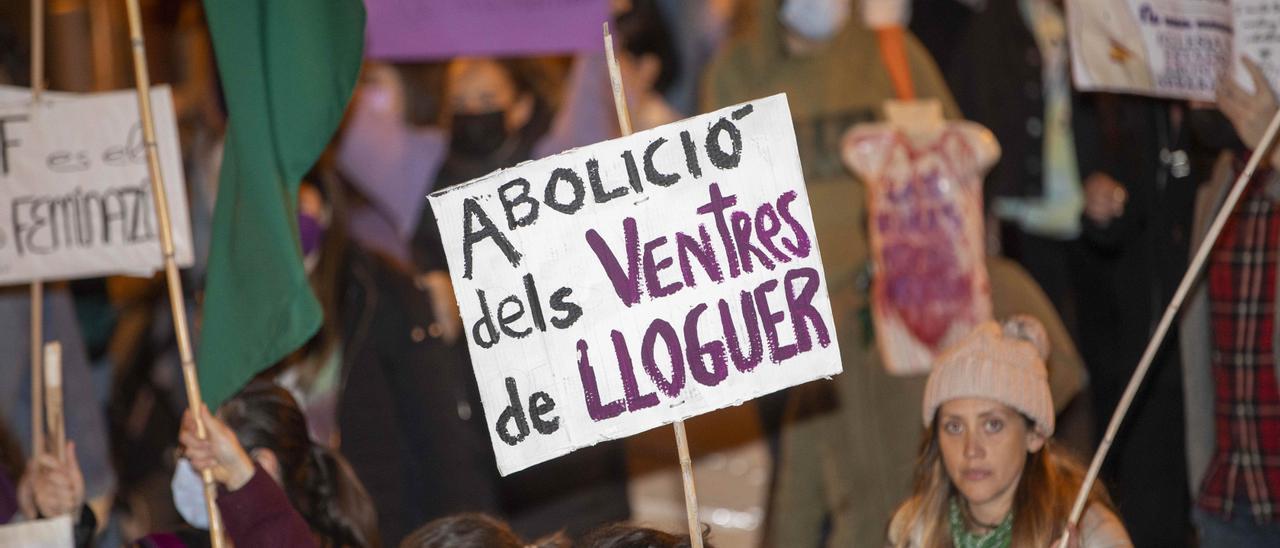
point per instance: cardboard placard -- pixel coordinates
(75, 195)
(440, 29)
(618, 287)
(1170, 48)
(40, 533)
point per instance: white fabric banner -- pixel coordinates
(614, 288)
(75, 194)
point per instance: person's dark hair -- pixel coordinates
(536, 77)
(12, 462)
(473, 531)
(326, 276)
(423, 88)
(643, 30)
(14, 58)
(320, 484)
(621, 535)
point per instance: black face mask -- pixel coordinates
(1213, 130)
(478, 135)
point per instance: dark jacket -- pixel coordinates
(1127, 271)
(409, 415)
(997, 79)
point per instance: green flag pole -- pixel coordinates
(177, 302)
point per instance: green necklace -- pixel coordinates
(1000, 537)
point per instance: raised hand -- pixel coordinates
(220, 451)
(50, 488)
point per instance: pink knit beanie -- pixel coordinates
(1005, 364)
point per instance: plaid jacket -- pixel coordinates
(1242, 296)
(1195, 333)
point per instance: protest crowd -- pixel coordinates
(899, 304)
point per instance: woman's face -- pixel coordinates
(984, 448)
(479, 85)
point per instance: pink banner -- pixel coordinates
(435, 29)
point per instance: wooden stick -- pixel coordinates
(37, 371)
(53, 399)
(690, 489)
(37, 286)
(682, 440)
(615, 81)
(100, 35)
(1188, 279)
(37, 49)
(177, 302)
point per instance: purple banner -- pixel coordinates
(435, 29)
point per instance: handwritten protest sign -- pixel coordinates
(618, 287)
(11, 95)
(1257, 35)
(1170, 48)
(75, 198)
(40, 533)
(439, 29)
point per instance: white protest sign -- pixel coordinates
(75, 194)
(1170, 48)
(40, 533)
(10, 95)
(618, 287)
(1257, 36)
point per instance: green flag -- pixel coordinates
(288, 68)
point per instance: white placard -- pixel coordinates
(1257, 36)
(596, 285)
(1171, 48)
(75, 195)
(41, 533)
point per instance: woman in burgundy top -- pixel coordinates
(276, 488)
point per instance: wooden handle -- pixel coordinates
(53, 400)
(177, 302)
(682, 441)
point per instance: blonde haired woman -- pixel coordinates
(988, 474)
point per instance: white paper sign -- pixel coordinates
(75, 195)
(1166, 48)
(622, 286)
(40, 533)
(1171, 48)
(1257, 36)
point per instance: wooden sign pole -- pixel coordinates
(37, 286)
(1188, 279)
(177, 302)
(53, 400)
(682, 440)
(37, 372)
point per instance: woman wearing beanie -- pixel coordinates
(988, 473)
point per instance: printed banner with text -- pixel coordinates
(625, 285)
(1171, 48)
(75, 194)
